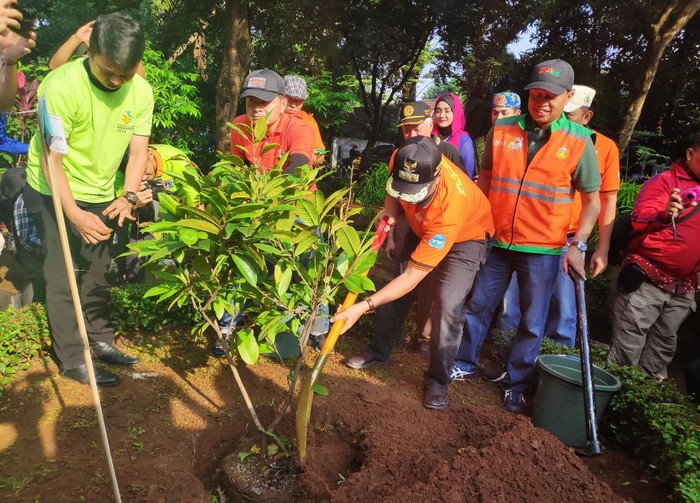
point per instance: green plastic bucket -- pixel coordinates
(559, 407)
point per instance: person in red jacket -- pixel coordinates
(656, 288)
(263, 91)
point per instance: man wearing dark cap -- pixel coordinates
(532, 165)
(453, 221)
(415, 119)
(263, 91)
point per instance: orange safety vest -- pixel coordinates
(532, 203)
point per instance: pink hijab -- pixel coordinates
(454, 131)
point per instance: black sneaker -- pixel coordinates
(495, 372)
(514, 401)
(217, 348)
(317, 341)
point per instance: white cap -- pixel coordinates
(583, 97)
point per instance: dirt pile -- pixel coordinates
(405, 453)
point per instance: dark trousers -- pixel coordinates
(448, 286)
(91, 264)
(391, 316)
(35, 288)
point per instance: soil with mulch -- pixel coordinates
(178, 414)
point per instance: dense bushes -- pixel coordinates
(22, 333)
(370, 190)
(131, 310)
(656, 421)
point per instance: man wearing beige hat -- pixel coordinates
(561, 320)
(415, 120)
(296, 93)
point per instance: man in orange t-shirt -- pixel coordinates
(561, 320)
(452, 218)
(296, 93)
(263, 91)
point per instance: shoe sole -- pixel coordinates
(101, 385)
(514, 410)
(470, 377)
(364, 366)
(496, 379)
(107, 362)
(433, 406)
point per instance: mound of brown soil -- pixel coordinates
(402, 452)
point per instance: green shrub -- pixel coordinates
(23, 332)
(661, 426)
(370, 190)
(655, 420)
(132, 310)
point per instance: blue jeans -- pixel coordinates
(561, 320)
(509, 318)
(227, 320)
(536, 274)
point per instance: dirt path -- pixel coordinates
(175, 415)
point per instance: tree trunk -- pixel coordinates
(234, 67)
(670, 23)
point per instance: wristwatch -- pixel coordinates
(131, 197)
(581, 245)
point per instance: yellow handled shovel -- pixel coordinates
(307, 395)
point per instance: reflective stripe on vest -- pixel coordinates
(532, 203)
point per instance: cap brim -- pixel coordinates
(261, 94)
(572, 106)
(547, 86)
(412, 121)
(409, 192)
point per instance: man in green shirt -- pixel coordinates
(104, 108)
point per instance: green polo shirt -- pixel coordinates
(98, 125)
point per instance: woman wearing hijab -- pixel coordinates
(448, 117)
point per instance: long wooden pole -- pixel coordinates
(72, 282)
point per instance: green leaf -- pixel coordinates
(260, 128)
(246, 269)
(308, 213)
(188, 236)
(283, 283)
(354, 283)
(320, 390)
(247, 346)
(348, 239)
(168, 204)
(201, 266)
(199, 225)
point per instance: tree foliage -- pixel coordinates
(262, 243)
(476, 58)
(616, 47)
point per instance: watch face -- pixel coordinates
(131, 197)
(582, 246)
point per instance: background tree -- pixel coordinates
(477, 57)
(616, 47)
(663, 20)
(383, 40)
